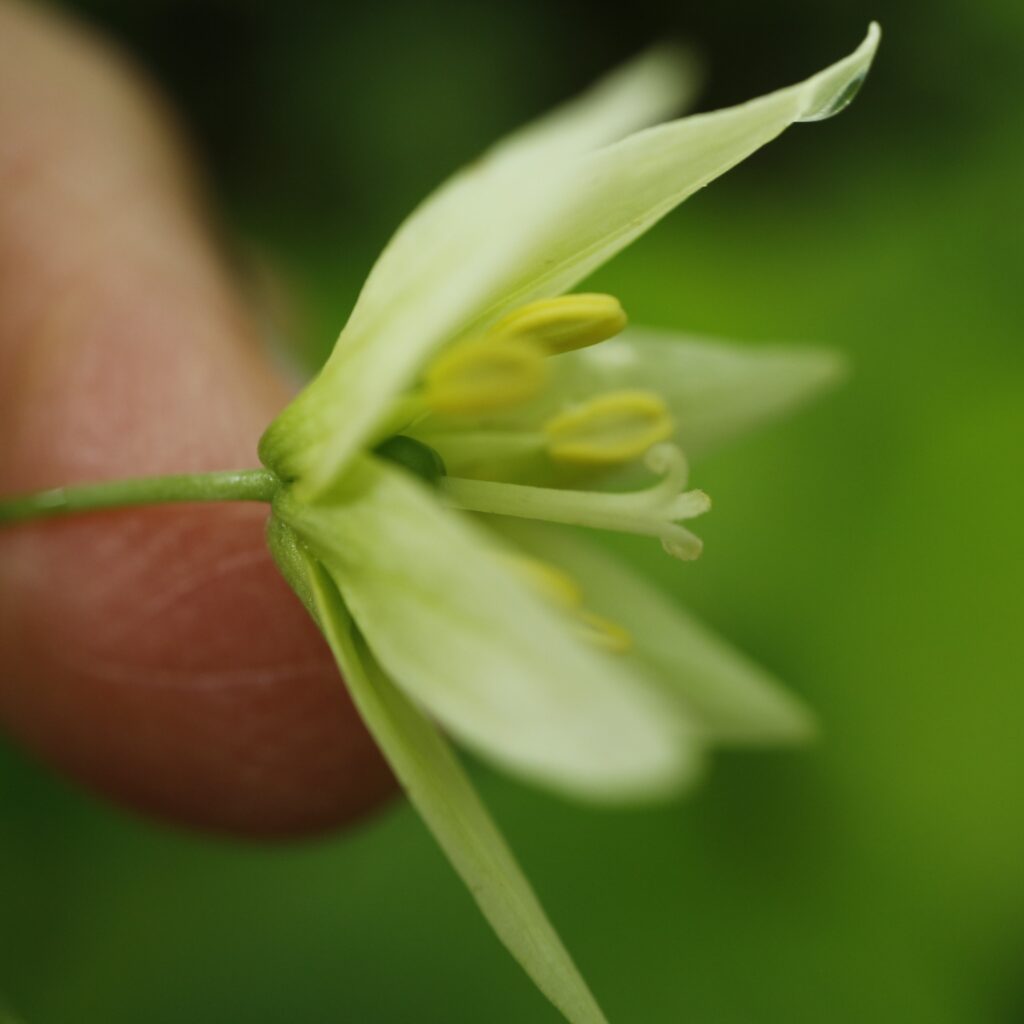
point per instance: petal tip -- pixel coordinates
(834, 89)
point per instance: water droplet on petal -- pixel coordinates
(837, 101)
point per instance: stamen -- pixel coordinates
(565, 323)
(483, 375)
(653, 512)
(557, 586)
(562, 590)
(604, 633)
(609, 429)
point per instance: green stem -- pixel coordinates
(234, 485)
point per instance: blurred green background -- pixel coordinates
(869, 550)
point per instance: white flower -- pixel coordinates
(465, 362)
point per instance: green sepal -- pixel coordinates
(437, 786)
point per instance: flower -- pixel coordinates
(468, 381)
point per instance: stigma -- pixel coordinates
(655, 511)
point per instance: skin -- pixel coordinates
(154, 655)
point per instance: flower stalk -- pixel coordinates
(232, 485)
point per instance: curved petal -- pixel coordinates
(611, 196)
(657, 84)
(438, 788)
(730, 699)
(460, 632)
(443, 260)
(497, 236)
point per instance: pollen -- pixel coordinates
(565, 323)
(609, 429)
(484, 375)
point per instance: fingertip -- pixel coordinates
(157, 656)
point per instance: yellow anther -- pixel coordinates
(544, 579)
(612, 428)
(604, 633)
(565, 323)
(484, 375)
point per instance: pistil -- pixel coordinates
(655, 511)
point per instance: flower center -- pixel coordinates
(476, 407)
